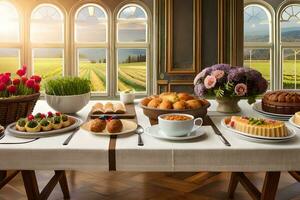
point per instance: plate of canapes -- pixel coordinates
(112, 125)
(43, 125)
(173, 102)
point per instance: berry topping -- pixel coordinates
(57, 113)
(50, 114)
(30, 117)
(43, 116)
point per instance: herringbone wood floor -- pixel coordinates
(123, 185)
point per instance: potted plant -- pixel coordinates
(229, 84)
(67, 94)
(18, 95)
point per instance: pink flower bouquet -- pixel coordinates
(20, 85)
(223, 80)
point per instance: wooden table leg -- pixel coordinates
(64, 184)
(233, 184)
(295, 175)
(270, 185)
(30, 184)
(2, 175)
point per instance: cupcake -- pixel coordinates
(20, 125)
(45, 125)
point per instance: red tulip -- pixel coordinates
(36, 87)
(11, 89)
(36, 78)
(21, 72)
(2, 87)
(5, 79)
(30, 83)
(24, 79)
(16, 81)
(7, 74)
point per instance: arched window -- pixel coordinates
(91, 44)
(258, 40)
(47, 40)
(132, 48)
(290, 46)
(10, 42)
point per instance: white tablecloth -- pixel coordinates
(208, 153)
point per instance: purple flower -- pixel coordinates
(223, 67)
(202, 75)
(199, 89)
(218, 74)
(240, 89)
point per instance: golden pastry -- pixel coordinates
(45, 125)
(108, 108)
(193, 104)
(57, 122)
(154, 103)
(119, 108)
(165, 104)
(32, 126)
(97, 125)
(184, 96)
(170, 96)
(20, 125)
(179, 105)
(145, 101)
(114, 126)
(98, 108)
(65, 120)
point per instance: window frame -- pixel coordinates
(106, 45)
(271, 45)
(134, 45)
(33, 45)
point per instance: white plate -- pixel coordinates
(12, 130)
(257, 138)
(257, 107)
(128, 127)
(155, 132)
(291, 120)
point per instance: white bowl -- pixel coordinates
(127, 98)
(68, 104)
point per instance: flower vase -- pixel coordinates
(228, 105)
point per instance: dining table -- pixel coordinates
(207, 153)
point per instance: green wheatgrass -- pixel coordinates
(65, 86)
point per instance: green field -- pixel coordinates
(288, 71)
(130, 75)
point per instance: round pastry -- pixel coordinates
(46, 125)
(170, 96)
(154, 103)
(114, 126)
(38, 117)
(20, 125)
(32, 126)
(179, 105)
(57, 122)
(65, 120)
(193, 104)
(145, 101)
(297, 118)
(97, 125)
(165, 104)
(184, 96)
(281, 102)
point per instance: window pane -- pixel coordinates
(289, 24)
(9, 23)
(46, 24)
(257, 23)
(259, 59)
(132, 32)
(48, 62)
(90, 24)
(132, 69)
(9, 60)
(132, 12)
(92, 65)
(291, 68)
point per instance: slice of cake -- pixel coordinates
(259, 127)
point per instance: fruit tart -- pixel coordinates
(32, 125)
(65, 120)
(20, 125)
(57, 122)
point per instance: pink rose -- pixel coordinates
(218, 74)
(240, 89)
(210, 82)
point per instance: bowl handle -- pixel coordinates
(199, 120)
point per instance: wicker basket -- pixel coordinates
(11, 109)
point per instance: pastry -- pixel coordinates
(297, 118)
(281, 102)
(66, 121)
(97, 125)
(119, 108)
(154, 103)
(145, 101)
(114, 126)
(165, 104)
(179, 105)
(98, 108)
(170, 96)
(260, 127)
(45, 125)
(193, 104)
(38, 117)
(20, 125)
(32, 126)
(184, 96)
(57, 122)
(108, 108)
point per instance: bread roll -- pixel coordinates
(109, 108)
(119, 108)
(98, 108)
